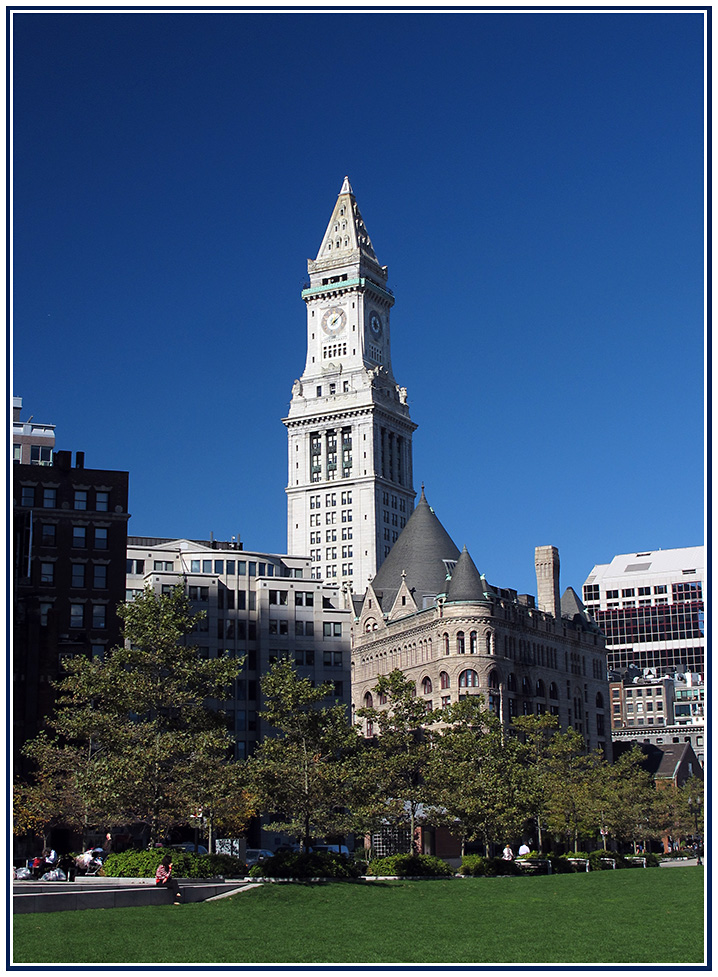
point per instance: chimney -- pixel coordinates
(547, 580)
(79, 459)
(62, 460)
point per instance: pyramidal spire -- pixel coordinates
(346, 233)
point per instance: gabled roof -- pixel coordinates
(466, 582)
(421, 552)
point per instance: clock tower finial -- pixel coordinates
(346, 186)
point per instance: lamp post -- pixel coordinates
(694, 806)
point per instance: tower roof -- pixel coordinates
(346, 230)
(466, 582)
(419, 556)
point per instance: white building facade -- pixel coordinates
(258, 606)
(350, 481)
(650, 606)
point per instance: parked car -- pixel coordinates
(337, 849)
(255, 856)
(189, 846)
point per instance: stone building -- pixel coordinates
(430, 613)
(350, 483)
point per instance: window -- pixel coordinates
(278, 597)
(231, 564)
(164, 565)
(444, 680)
(460, 643)
(80, 499)
(100, 538)
(49, 498)
(47, 537)
(219, 566)
(102, 501)
(44, 611)
(445, 701)
(194, 566)
(99, 616)
(426, 687)
(27, 497)
(206, 566)
(78, 575)
(135, 566)
(47, 573)
(40, 455)
(99, 577)
(77, 615)
(468, 679)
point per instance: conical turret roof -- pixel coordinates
(466, 582)
(421, 553)
(346, 230)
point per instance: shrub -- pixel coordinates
(428, 866)
(186, 865)
(488, 867)
(306, 865)
(560, 865)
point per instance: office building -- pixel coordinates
(70, 537)
(259, 607)
(650, 606)
(32, 442)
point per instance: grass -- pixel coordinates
(635, 916)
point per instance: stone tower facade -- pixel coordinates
(350, 482)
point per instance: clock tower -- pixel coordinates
(349, 490)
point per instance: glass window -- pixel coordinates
(252, 569)
(101, 539)
(77, 615)
(27, 497)
(219, 566)
(47, 573)
(242, 568)
(99, 577)
(78, 575)
(194, 566)
(102, 501)
(206, 566)
(79, 537)
(44, 611)
(48, 535)
(99, 616)
(231, 564)
(80, 499)
(40, 455)
(49, 498)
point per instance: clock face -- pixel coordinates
(333, 321)
(375, 324)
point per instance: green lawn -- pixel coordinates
(630, 916)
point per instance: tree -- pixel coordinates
(125, 726)
(534, 741)
(299, 776)
(626, 800)
(569, 786)
(393, 768)
(474, 779)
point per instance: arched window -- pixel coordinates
(540, 689)
(553, 691)
(599, 701)
(382, 698)
(460, 643)
(369, 728)
(468, 679)
(525, 687)
(444, 680)
(426, 685)
(368, 701)
(511, 682)
(494, 680)
(446, 643)
(473, 643)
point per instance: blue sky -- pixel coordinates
(534, 182)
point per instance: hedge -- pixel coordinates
(185, 865)
(306, 865)
(483, 866)
(428, 866)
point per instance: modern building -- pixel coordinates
(259, 607)
(32, 442)
(349, 485)
(659, 711)
(650, 606)
(430, 613)
(70, 538)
